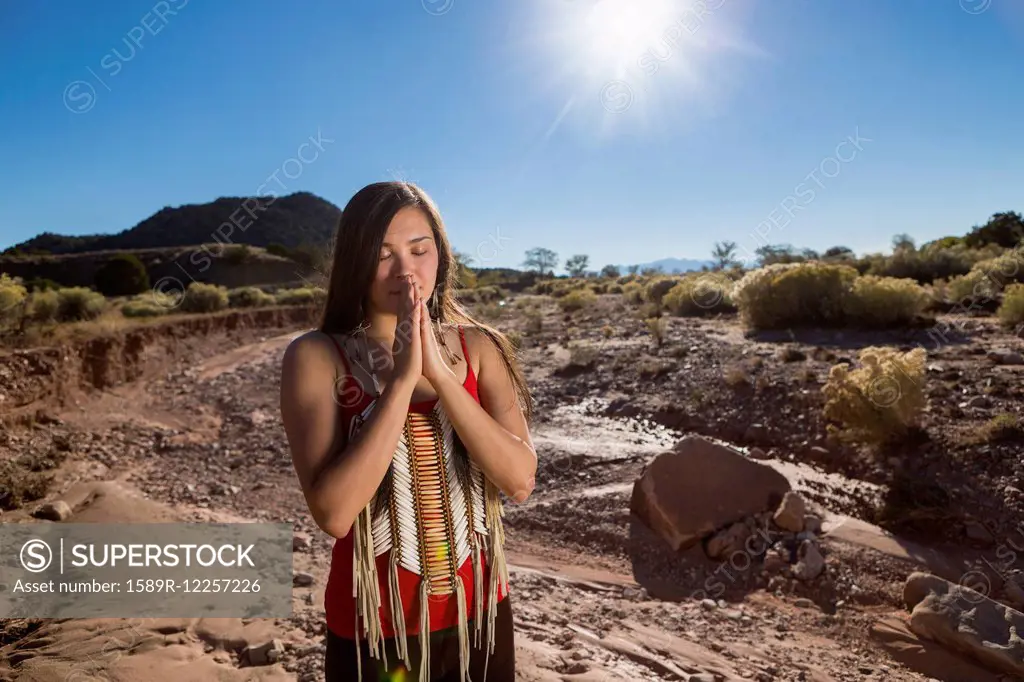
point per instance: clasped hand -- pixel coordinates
(416, 352)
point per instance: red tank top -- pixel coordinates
(339, 602)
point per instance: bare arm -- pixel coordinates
(338, 479)
(494, 430)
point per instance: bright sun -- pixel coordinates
(652, 58)
(616, 32)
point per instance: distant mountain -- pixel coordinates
(287, 220)
(671, 265)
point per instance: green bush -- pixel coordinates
(931, 262)
(43, 306)
(1011, 310)
(41, 284)
(151, 304)
(884, 301)
(787, 294)
(962, 290)
(236, 254)
(303, 296)
(657, 287)
(122, 275)
(577, 300)
(249, 297)
(881, 400)
(78, 303)
(278, 249)
(1004, 269)
(204, 298)
(12, 296)
(633, 292)
(700, 295)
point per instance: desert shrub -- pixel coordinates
(12, 298)
(931, 262)
(1004, 427)
(534, 320)
(150, 304)
(882, 399)
(490, 311)
(18, 486)
(249, 297)
(613, 289)
(301, 296)
(785, 294)
(656, 288)
(78, 303)
(577, 300)
(938, 294)
(204, 298)
(122, 275)
(41, 284)
(43, 306)
(581, 355)
(657, 327)
(277, 249)
(1004, 269)
(485, 294)
(884, 301)
(1011, 310)
(607, 331)
(962, 290)
(633, 292)
(700, 295)
(236, 254)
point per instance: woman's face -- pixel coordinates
(409, 249)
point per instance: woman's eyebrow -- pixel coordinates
(411, 241)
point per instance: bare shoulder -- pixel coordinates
(314, 348)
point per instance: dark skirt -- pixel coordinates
(341, 664)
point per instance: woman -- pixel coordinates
(402, 447)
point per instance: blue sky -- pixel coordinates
(627, 134)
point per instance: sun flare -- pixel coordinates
(652, 58)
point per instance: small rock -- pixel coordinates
(977, 401)
(977, 532)
(810, 563)
(701, 677)
(812, 524)
(302, 579)
(790, 514)
(300, 542)
(265, 654)
(803, 603)
(708, 604)
(820, 452)
(1004, 356)
(57, 510)
(757, 453)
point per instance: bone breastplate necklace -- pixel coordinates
(433, 510)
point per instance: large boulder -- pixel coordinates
(699, 487)
(966, 621)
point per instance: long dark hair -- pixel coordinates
(357, 242)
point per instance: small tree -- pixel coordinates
(576, 266)
(903, 242)
(466, 277)
(610, 271)
(724, 254)
(838, 253)
(541, 260)
(122, 275)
